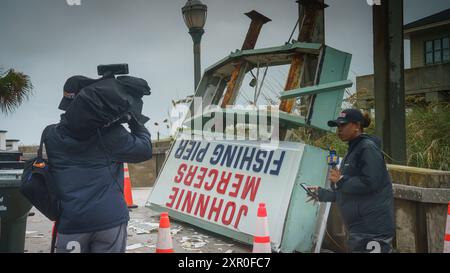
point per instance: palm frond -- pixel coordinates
(15, 88)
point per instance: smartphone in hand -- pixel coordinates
(309, 192)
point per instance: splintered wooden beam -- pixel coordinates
(257, 21)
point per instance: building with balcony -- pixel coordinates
(428, 79)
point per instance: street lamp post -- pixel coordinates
(194, 15)
(157, 127)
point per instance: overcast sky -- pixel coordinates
(51, 41)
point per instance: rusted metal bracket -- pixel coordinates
(257, 21)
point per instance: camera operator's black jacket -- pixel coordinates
(364, 193)
(89, 182)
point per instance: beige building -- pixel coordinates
(428, 79)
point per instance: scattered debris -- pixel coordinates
(193, 242)
(29, 232)
(140, 227)
(135, 246)
(36, 236)
(192, 249)
(139, 231)
(174, 231)
(228, 245)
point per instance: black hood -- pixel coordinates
(374, 139)
(68, 141)
(353, 143)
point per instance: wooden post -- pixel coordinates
(389, 89)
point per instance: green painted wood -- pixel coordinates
(316, 89)
(302, 218)
(327, 106)
(231, 116)
(310, 48)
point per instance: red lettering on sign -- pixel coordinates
(189, 202)
(215, 209)
(223, 183)
(236, 185)
(190, 175)
(213, 172)
(181, 169)
(208, 207)
(201, 177)
(242, 211)
(226, 221)
(179, 199)
(251, 186)
(202, 204)
(172, 197)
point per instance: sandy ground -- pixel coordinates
(142, 233)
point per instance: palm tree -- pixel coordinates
(15, 88)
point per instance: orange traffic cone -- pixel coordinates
(261, 239)
(127, 187)
(447, 232)
(164, 244)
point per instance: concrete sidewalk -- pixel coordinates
(142, 233)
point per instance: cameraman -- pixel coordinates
(89, 179)
(361, 187)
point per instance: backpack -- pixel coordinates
(38, 184)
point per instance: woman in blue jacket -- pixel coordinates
(361, 187)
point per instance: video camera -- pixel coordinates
(110, 70)
(106, 101)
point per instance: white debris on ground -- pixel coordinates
(28, 234)
(229, 245)
(194, 242)
(135, 246)
(174, 231)
(140, 226)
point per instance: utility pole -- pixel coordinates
(389, 86)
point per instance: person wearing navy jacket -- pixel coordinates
(89, 177)
(361, 187)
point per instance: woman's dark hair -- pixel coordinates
(366, 122)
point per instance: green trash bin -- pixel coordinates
(14, 208)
